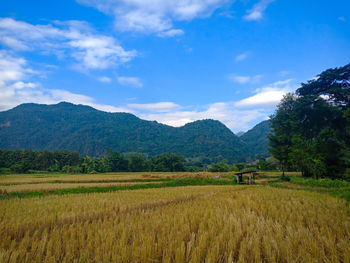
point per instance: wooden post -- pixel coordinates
(237, 179)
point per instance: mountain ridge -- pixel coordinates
(90, 131)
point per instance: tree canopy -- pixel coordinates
(310, 129)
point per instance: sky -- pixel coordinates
(173, 61)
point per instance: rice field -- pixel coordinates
(74, 178)
(54, 186)
(232, 223)
(46, 182)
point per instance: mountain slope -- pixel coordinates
(89, 131)
(256, 140)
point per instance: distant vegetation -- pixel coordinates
(23, 161)
(311, 128)
(29, 161)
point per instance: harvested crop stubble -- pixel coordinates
(184, 224)
(54, 186)
(69, 178)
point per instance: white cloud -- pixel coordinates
(13, 43)
(105, 79)
(130, 81)
(75, 39)
(341, 18)
(245, 79)
(157, 107)
(171, 33)
(267, 96)
(242, 56)
(154, 16)
(256, 13)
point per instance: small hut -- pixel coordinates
(251, 177)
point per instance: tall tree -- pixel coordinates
(310, 129)
(282, 126)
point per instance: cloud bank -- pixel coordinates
(154, 16)
(73, 39)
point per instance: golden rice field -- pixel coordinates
(180, 224)
(44, 178)
(46, 182)
(54, 186)
(16, 179)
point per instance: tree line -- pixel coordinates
(310, 130)
(26, 161)
(23, 161)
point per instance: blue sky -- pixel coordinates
(166, 60)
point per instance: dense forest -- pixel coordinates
(24, 161)
(29, 161)
(311, 127)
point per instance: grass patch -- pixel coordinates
(339, 192)
(99, 189)
(319, 182)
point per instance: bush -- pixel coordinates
(285, 178)
(320, 182)
(5, 170)
(21, 167)
(219, 167)
(71, 169)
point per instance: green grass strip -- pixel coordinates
(104, 189)
(319, 182)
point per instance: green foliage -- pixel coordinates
(285, 178)
(280, 139)
(21, 167)
(220, 167)
(167, 162)
(266, 165)
(137, 162)
(256, 141)
(310, 132)
(332, 83)
(319, 182)
(113, 162)
(71, 169)
(4, 170)
(92, 132)
(240, 166)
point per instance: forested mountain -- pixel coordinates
(89, 131)
(256, 140)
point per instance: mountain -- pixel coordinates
(256, 140)
(90, 131)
